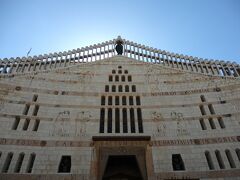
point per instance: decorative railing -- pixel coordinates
(107, 49)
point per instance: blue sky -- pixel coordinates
(201, 28)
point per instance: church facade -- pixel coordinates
(119, 110)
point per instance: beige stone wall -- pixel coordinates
(69, 102)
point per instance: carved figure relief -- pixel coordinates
(159, 126)
(181, 127)
(81, 127)
(62, 124)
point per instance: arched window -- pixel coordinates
(26, 124)
(238, 153)
(116, 78)
(203, 112)
(203, 99)
(103, 100)
(110, 78)
(106, 88)
(211, 122)
(132, 120)
(123, 78)
(26, 109)
(113, 71)
(129, 78)
(113, 88)
(102, 116)
(210, 106)
(109, 128)
(119, 71)
(209, 160)
(109, 100)
(19, 163)
(126, 71)
(35, 110)
(219, 159)
(36, 124)
(130, 100)
(117, 119)
(126, 88)
(202, 123)
(30, 163)
(120, 88)
(124, 101)
(138, 102)
(7, 162)
(133, 88)
(230, 159)
(117, 100)
(16, 123)
(221, 123)
(125, 128)
(119, 67)
(139, 116)
(35, 97)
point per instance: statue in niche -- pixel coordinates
(61, 124)
(119, 47)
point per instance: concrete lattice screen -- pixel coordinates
(107, 49)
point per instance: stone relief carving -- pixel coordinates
(181, 126)
(159, 126)
(81, 127)
(61, 124)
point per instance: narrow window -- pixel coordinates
(123, 78)
(109, 130)
(211, 122)
(26, 124)
(203, 125)
(30, 163)
(35, 97)
(125, 128)
(110, 78)
(103, 100)
(109, 100)
(113, 72)
(238, 153)
(0, 154)
(113, 88)
(209, 160)
(138, 102)
(230, 159)
(35, 110)
(133, 88)
(203, 112)
(119, 67)
(36, 125)
(132, 120)
(210, 106)
(177, 162)
(65, 165)
(126, 71)
(26, 109)
(139, 116)
(106, 88)
(221, 123)
(117, 118)
(19, 163)
(126, 88)
(120, 88)
(219, 159)
(119, 71)
(117, 100)
(16, 123)
(129, 78)
(130, 100)
(116, 78)
(203, 99)
(124, 101)
(7, 162)
(102, 117)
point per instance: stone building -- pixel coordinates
(136, 113)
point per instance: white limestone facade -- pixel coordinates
(78, 119)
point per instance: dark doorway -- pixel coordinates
(122, 167)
